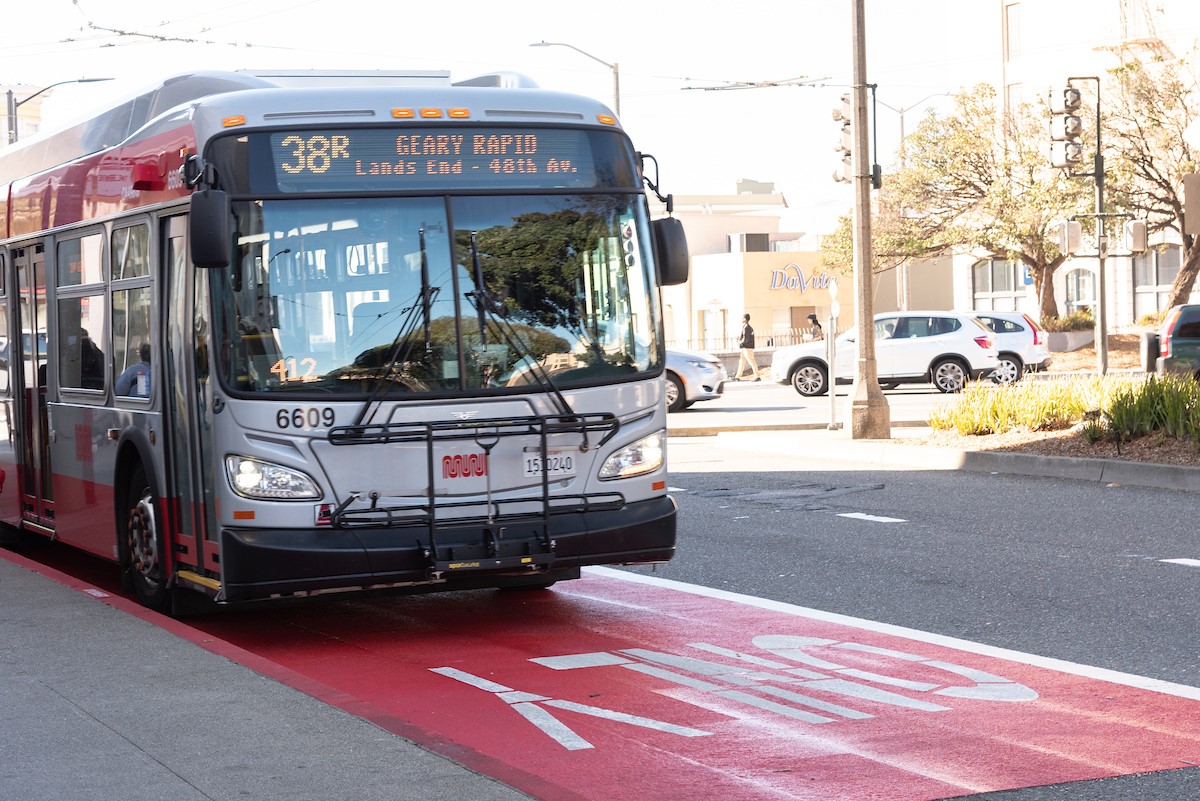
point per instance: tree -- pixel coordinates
(1152, 103)
(968, 181)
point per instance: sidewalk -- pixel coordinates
(103, 699)
(755, 432)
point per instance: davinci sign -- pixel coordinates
(792, 277)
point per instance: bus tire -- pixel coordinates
(141, 544)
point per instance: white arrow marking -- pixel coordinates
(523, 704)
(872, 518)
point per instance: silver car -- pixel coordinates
(692, 376)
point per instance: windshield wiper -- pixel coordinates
(485, 308)
(402, 344)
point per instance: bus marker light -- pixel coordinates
(233, 122)
(403, 113)
(658, 485)
(431, 113)
(460, 113)
(605, 119)
(146, 177)
(243, 514)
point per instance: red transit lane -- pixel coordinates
(621, 687)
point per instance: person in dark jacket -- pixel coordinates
(746, 345)
(135, 381)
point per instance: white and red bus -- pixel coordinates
(274, 336)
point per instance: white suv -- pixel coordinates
(914, 347)
(1020, 344)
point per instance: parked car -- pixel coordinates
(944, 348)
(1179, 342)
(692, 376)
(1020, 345)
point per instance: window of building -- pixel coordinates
(1012, 31)
(998, 284)
(1154, 272)
(1081, 289)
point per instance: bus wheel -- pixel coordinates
(142, 545)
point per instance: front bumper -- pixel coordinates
(266, 563)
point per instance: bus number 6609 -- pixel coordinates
(308, 417)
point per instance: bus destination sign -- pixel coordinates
(391, 159)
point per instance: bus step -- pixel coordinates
(532, 563)
(492, 552)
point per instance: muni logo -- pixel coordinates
(464, 465)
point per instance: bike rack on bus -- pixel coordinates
(528, 518)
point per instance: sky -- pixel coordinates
(677, 61)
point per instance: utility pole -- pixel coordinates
(870, 417)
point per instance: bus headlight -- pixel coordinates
(643, 456)
(260, 480)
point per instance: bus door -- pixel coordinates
(10, 501)
(31, 347)
(186, 401)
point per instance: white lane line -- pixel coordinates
(1185, 562)
(872, 518)
(916, 635)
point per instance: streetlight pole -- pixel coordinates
(616, 70)
(14, 104)
(904, 110)
(902, 282)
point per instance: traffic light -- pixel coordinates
(1066, 128)
(1135, 235)
(1068, 235)
(842, 114)
(1191, 204)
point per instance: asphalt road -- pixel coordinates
(1077, 571)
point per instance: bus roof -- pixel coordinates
(122, 120)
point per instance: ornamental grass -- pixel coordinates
(1117, 406)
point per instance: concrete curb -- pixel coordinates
(715, 430)
(838, 447)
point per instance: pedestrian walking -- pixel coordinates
(817, 331)
(746, 344)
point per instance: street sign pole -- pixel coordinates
(831, 355)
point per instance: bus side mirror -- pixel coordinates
(209, 230)
(670, 251)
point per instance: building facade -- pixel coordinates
(742, 263)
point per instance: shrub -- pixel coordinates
(1152, 320)
(1075, 321)
(1124, 407)
(1039, 405)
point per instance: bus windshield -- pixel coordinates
(486, 294)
